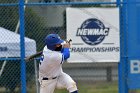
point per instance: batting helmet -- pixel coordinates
(51, 40)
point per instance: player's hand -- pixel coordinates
(66, 45)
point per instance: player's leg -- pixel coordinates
(67, 82)
(47, 86)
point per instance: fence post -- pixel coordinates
(118, 3)
(122, 66)
(22, 47)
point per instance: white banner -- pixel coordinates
(94, 33)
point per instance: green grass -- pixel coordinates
(83, 87)
(94, 87)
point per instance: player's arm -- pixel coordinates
(65, 51)
(33, 56)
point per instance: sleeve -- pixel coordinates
(65, 53)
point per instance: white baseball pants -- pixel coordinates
(62, 81)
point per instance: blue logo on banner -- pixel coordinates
(92, 31)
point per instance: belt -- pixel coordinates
(45, 78)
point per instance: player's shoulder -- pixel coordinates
(45, 48)
(53, 56)
(51, 53)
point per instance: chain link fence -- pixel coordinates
(42, 18)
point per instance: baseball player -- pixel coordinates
(51, 75)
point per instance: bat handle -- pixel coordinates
(69, 41)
